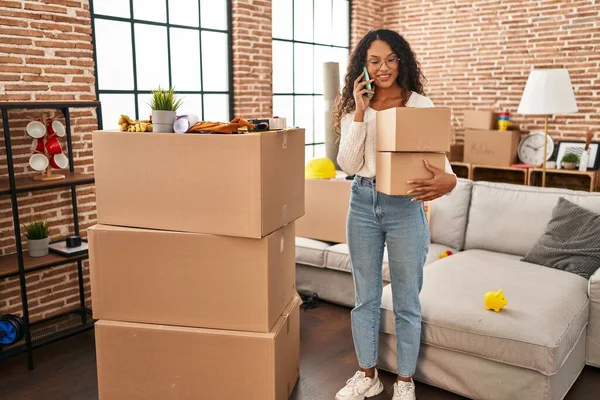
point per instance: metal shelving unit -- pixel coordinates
(61, 326)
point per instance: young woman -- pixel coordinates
(375, 219)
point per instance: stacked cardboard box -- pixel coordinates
(486, 145)
(456, 153)
(327, 203)
(192, 264)
(405, 137)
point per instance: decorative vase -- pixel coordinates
(162, 121)
(39, 247)
(568, 165)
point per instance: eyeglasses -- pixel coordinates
(391, 63)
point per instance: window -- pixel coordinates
(306, 34)
(141, 44)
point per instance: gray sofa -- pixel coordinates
(533, 349)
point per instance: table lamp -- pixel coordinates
(547, 92)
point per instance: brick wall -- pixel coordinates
(252, 54)
(478, 54)
(365, 15)
(46, 54)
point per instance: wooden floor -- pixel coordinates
(67, 370)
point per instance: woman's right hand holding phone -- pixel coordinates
(360, 99)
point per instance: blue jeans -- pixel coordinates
(375, 219)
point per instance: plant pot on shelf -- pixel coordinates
(38, 247)
(162, 121)
(568, 165)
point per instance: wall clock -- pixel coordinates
(531, 148)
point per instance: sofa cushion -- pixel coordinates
(571, 241)
(593, 333)
(337, 257)
(510, 218)
(310, 252)
(449, 216)
(546, 313)
(435, 249)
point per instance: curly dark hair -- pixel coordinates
(410, 77)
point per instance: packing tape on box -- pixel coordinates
(277, 123)
(282, 242)
(284, 139)
(423, 145)
(284, 214)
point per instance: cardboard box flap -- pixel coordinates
(283, 178)
(480, 119)
(287, 347)
(281, 322)
(494, 147)
(292, 305)
(282, 271)
(151, 276)
(394, 170)
(327, 202)
(152, 362)
(194, 172)
(414, 129)
(185, 329)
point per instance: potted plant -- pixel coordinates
(38, 239)
(164, 105)
(570, 160)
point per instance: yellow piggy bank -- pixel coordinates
(494, 300)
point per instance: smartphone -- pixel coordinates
(368, 85)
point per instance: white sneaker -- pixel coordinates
(404, 391)
(360, 387)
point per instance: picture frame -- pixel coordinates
(577, 147)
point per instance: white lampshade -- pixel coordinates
(548, 91)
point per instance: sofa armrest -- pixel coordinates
(593, 333)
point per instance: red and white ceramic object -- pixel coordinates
(59, 161)
(53, 145)
(56, 128)
(36, 129)
(37, 146)
(38, 162)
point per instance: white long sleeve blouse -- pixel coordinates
(356, 155)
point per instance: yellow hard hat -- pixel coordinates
(320, 168)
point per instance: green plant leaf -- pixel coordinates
(570, 157)
(165, 100)
(37, 230)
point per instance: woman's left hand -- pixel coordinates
(430, 189)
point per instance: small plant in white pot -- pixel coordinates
(38, 239)
(570, 160)
(164, 106)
